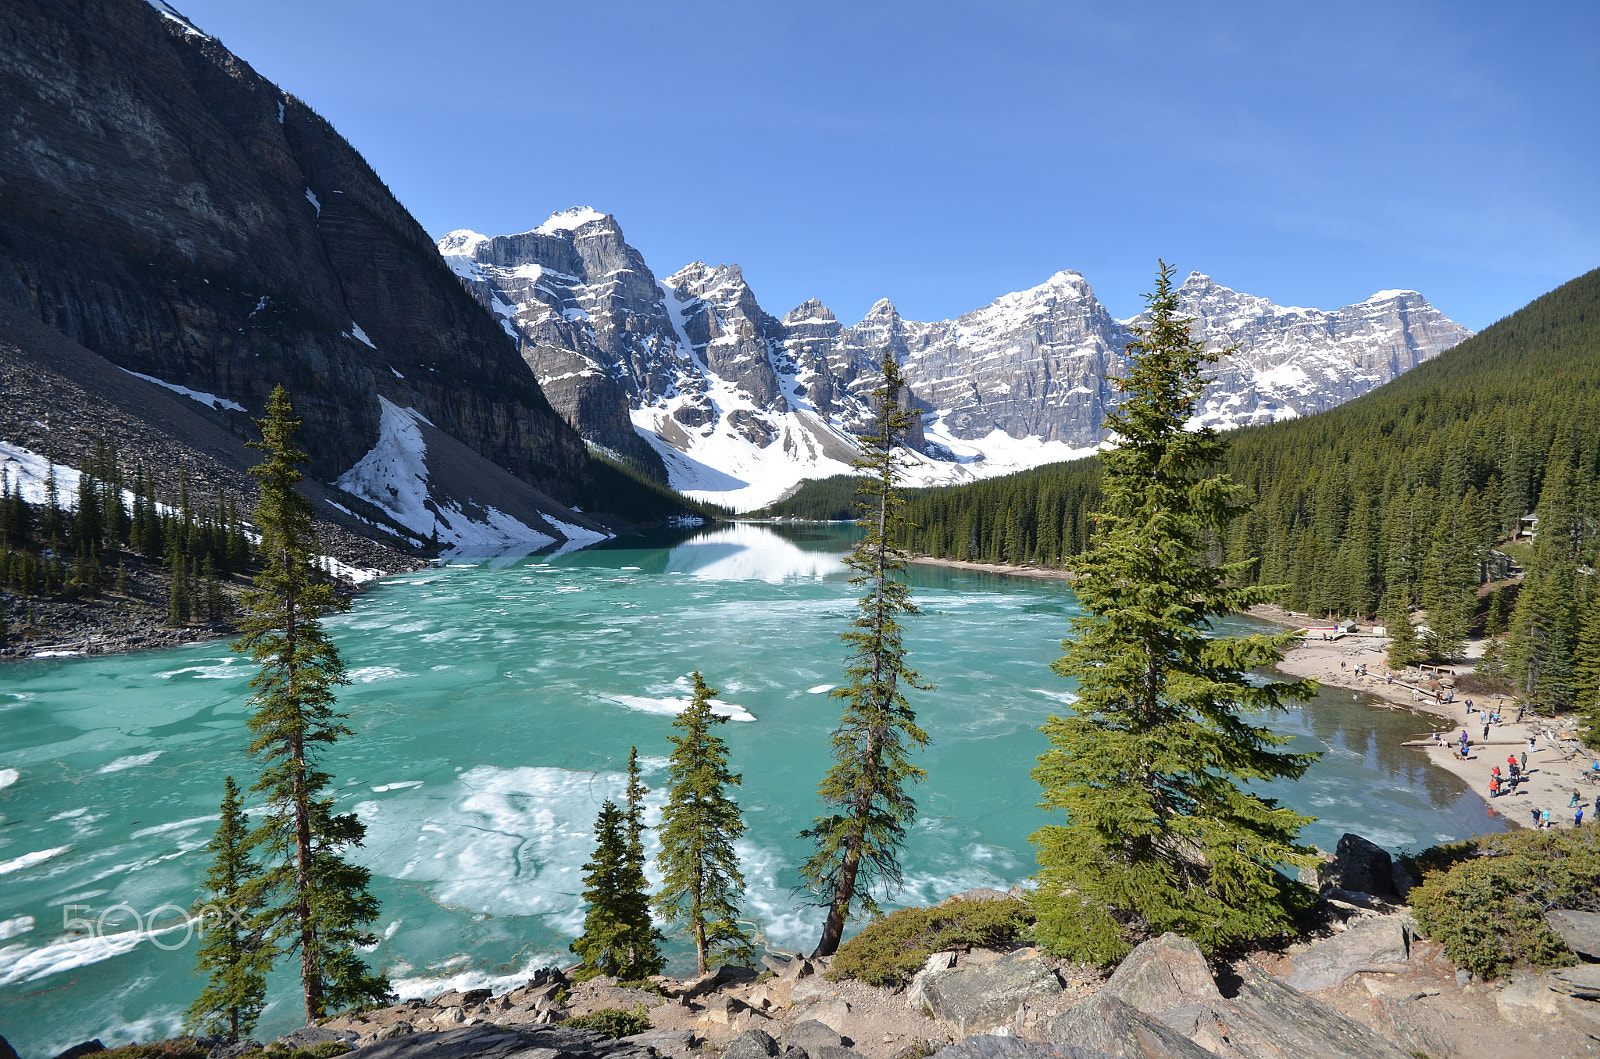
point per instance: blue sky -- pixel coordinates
(943, 154)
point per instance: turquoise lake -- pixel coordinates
(494, 703)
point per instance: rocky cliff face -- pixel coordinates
(176, 213)
(740, 405)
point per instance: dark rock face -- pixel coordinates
(751, 1044)
(173, 211)
(1360, 866)
(496, 1042)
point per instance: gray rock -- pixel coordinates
(751, 1044)
(989, 1046)
(982, 893)
(831, 1013)
(1361, 866)
(1401, 1022)
(311, 1036)
(1580, 931)
(1278, 1020)
(916, 996)
(1370, 942)
(775, 964)
(499, 1042)
(388, 1033)
(1109, 1025)
(1580, 981)
(1527, 999)
(811, 1035)
(797, 968)
(1163, 973)
(832, 1051)
(974, 999)
(233, 1049)
(666, 1038)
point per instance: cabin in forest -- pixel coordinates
(1527, 526)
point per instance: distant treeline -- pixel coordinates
(55, 550)
(1394, 497)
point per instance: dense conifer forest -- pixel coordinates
(1408, 497)
(55, 550)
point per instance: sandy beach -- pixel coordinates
(1555, 769)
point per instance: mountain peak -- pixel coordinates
(571, 220)
(1390, 295)
(809, 311)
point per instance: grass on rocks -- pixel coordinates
(890, 950)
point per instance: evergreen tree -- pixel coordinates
(866, 790)
(232, 954)
(1543, 626)
(1403, 650)
(1586, 682)
(644, 955)
(1161, 833)
(700, 873)
(316, 903)
(618, 917)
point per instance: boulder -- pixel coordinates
(831, 1051)
(668, 1038)
(811, 1035)
(982, 893)
(1527, 999)
(916, 999)
(797, 968)
(1401, 1022)
(989, 1046)
(776, 964)
(1375, 941)
(751, 1044)
(1286, 1022)
(1579, 930)
(78, 1050)
(1163, 973)
(388, 1033)
(233, 1049)
(6, 1051)
(775, 993)
(1110, 1026)
(833, 1014)
(499, 1042)
(1361, 866)
(307, 1037)
(974, 999)
(1583, 1014)
(1582, 981)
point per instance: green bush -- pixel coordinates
(1484, 900)
(890, 950)
(613, 1022)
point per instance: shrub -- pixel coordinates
(890, 950)
(1484, 899)
(613, 1022)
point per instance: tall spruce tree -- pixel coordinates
(1402, 651)
(1150, 767)
(1544, 623)
(618, 916)
(643, 939)
(866, 791)
(232, 953)
(701, 881)
(314, 902)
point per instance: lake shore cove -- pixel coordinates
(1360, 982)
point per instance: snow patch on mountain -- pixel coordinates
(394, 476)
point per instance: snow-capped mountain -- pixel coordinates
(739, 405)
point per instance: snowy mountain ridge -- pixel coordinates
(739, 405)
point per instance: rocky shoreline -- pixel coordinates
(1361, 983)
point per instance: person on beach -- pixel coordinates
(1494, 788)
(1576, 800)
(1544, 819)
(1536, 811)
(1486, 731)
(1524, 761)
(1577, 817)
